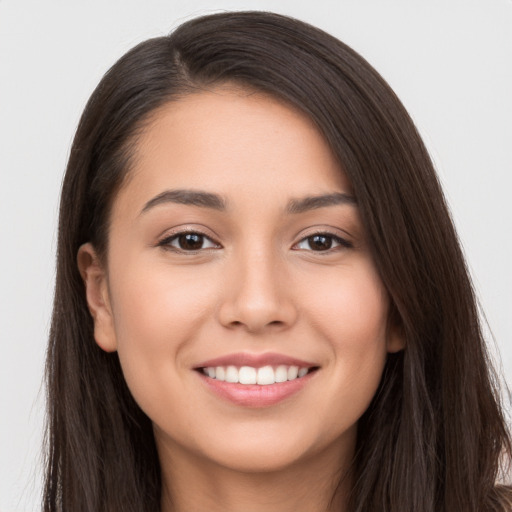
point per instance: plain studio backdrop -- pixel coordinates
(450, 62)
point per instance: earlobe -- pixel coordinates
(97, 296)
(395, 340)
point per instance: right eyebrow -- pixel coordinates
(305, 204)
(188, 197)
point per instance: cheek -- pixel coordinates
(352, 309)
(157, 314)
(157, 304)
(352, 318)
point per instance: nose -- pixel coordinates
(256, 295)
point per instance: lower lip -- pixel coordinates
(253, 395)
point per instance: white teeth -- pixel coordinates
(231, 374)
(293, 371)
(220, 374)
(265, 375)
(248, 375)
(282, 374)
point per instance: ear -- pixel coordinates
(97, 295)
(395, 339)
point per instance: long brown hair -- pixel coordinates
(434, 435)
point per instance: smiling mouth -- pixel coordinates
(263, 376)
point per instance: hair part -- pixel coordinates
(434, 434)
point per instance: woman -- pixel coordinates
(261, 303)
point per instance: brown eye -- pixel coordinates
(188, 242)
(322, 242)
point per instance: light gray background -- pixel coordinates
(450, 61)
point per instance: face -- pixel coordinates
(236, 253)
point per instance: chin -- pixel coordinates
(259, 450)
(258, 458)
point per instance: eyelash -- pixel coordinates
(342, 242)
(166, 243)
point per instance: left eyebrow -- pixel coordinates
(188, 197)
(313, 202)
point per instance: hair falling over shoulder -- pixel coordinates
(434, 438)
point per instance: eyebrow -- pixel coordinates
(313, 202)
(216, 202)
(188, 197)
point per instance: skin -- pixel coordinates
(257, 285)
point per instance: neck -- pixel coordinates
(315, 484)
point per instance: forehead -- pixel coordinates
(236, 143)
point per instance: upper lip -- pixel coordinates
(255, 360)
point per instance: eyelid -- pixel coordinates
(165, 240)
(333, 233)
